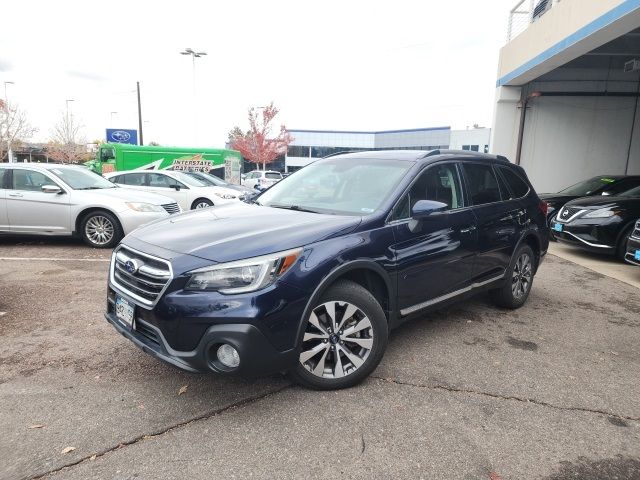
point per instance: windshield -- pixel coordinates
(634, 192)
(338, 186)
(82, 179)
(588, 186)
(208, 179)
(188, 179)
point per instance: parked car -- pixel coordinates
(212, 180)
(633, 246)
(602, 185)
(311, 284)
(189, 192)
(49, 199)
(599, 224)
(261, 179)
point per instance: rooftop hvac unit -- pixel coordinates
(632, 65)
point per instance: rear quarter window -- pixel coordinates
(518, 186)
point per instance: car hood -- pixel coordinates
(239, 230)
(597, 202)
(129, 195)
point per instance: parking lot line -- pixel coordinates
(51, 259)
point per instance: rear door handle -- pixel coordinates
(469, 229)
(19, 195)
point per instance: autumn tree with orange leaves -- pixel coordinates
(258, 144)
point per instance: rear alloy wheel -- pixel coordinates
(201, 203)
(101, 230)
(344, 339)
(516, 289)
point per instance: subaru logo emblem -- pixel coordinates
(131, 266)
(121, 136)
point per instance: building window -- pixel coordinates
(472, 148)
(298, 151)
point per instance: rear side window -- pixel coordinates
(518, 186)
(481, 183)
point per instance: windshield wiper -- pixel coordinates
(297, 208)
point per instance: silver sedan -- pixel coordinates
(49, 199)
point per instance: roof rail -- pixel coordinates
(431, 153)
(340, 153)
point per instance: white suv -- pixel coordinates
(189, 192)
(261, 179)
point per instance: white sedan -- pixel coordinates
(189, 192)
(49, 199)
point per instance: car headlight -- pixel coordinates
(244, 275)
(144, 207)
(228, 196)
(601, 213)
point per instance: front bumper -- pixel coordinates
(594, 237)
(257, 355)
(130, 219)
(633, 246)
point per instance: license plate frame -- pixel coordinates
(125, 311)
(557, 227)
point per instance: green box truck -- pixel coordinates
(111, 157)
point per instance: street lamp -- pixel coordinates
(194, 54)
(69, 100)
(112, 114)
(6, 112)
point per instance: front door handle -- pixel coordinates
(19, 195)
(469, 229)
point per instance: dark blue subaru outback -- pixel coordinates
(310, 277)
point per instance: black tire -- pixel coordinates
(205, 202)
(621, 248)
(511, 295)
(112, 230)
(345, 293)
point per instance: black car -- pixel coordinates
(633, 246)
(602, 185)
(311, 276)
(599, 224)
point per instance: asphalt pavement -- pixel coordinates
(549, 391)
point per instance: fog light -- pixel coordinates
(228, 356)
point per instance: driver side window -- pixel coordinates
(439, 183)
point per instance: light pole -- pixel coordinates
(194, 55)
(112, 114)
(6, 112)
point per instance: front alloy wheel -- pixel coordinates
(337, 341)
(344, 338)
(101, 230)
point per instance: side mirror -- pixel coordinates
(51, 189)
(425, 208)
(177, 187)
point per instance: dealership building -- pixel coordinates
(309, 145)
(567, 91)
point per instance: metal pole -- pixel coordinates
(140, 139)
(6, 110)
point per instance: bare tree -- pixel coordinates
(66, 144)
(14, 127)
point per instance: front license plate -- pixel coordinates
(638, 255)
(557, 227)
(125, 311)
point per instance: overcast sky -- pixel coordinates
(339, 65)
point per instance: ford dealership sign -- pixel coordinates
(119, 135)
